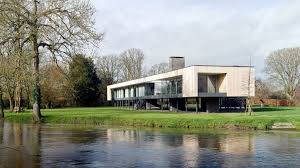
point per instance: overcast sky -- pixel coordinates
(218, 32)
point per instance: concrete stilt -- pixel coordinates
(197, 104)
(133, 102)
(161, 104)
(186, 105)
(177, 105)
(212, 104)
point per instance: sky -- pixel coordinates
(215, 32)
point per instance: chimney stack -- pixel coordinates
(176, 62)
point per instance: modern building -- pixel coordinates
(206, 88)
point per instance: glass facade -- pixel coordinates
(212, 84)
(166, 88)
(157, 88)
(202, 83)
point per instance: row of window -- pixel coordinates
(138, 91)
(155, 88)
(206, 84)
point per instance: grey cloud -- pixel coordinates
(205, 32)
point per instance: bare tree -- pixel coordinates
(23, 70)
(132, 63)
(158, 69)
(1, 91)
(1, 104)
(15, 69)
(12, 49)
(262, 90)
(60, 27)
(8, 75)
(283, 67)
(108, 70)
(53, 85)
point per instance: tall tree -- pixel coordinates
(1, 87)
(132, 64)
(53, 85)
(83, 81)
(1, 104)
(8, 72)
(108, 70)
(283, 66)
(61, 27)
(1, 92)
(16, 62)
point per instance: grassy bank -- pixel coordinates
(262, 118)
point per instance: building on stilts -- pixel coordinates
(197, 88)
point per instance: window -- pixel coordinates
(207, 83)
(202, 83)
(212, 84)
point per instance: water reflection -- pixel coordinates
(24, 145)
(19, 145)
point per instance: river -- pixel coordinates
(47, 145)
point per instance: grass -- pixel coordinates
(263, 118)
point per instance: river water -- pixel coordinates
(24, 145)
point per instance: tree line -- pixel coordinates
(33, 29)
(83, 81)
(41, 60)
(80, 81)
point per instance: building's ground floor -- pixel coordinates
(191, 104)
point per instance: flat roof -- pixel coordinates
(170, 76)
(223, 65)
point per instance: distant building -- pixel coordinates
(207, 88)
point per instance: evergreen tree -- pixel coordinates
(83, 81)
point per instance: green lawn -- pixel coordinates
(261, 119)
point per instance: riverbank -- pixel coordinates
(263, 118)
